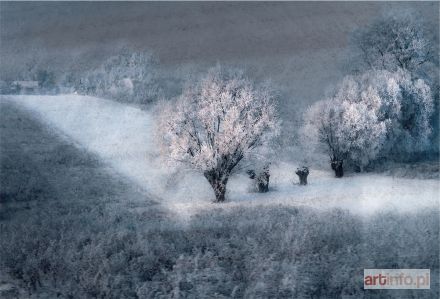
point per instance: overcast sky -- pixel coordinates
(303, 37)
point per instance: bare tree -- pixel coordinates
(218, 122)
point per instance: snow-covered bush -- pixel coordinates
(218, 122)
(376, 114)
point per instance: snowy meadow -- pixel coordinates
(128, 178)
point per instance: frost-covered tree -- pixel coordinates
(396, 40)
(378, 113)
(405, 106)
(129, 76)
(403, 39)
(321, 129)
(345, 131)
(218, 122)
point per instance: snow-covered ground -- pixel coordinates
(123, 136)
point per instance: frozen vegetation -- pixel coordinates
(123, 137)
(127, 180)
(81, 229)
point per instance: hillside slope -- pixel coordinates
(123, 137)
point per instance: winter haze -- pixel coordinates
(218, 149)
(302, 46)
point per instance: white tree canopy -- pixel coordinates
(223, 115)
(378, 113)
(218, 122)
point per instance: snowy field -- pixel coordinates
(123, 137)
(90, 211)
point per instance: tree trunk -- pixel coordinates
(219, 188)
(337, 167)
(302, 173)
(218, 183)
(261, 180)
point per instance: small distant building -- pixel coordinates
(25, 86)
